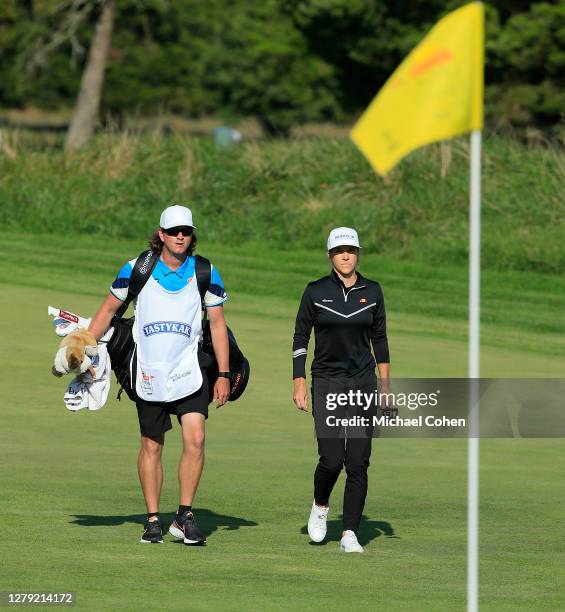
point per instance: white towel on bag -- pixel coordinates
(84, 391)
(87, 392)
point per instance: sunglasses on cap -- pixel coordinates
(174, 231)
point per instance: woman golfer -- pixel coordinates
(347, 313)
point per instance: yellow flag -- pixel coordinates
(435, 93)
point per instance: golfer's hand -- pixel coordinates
(221, 391)
(384, 391)
(300, 395)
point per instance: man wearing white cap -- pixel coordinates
(347, 313)
(169, 380)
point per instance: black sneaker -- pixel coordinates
(184, 528)
(153, 533)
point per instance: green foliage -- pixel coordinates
(366, 39)
(534, 42)
(291, 193)
(161, 57)
(16, 33)
(269, 72)
(527, 59)
(363, 39)
(239, 58)
(38, 64)
(283, 61)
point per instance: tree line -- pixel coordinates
(285, 62)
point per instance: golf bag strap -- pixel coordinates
(140, 274)
(203, 271)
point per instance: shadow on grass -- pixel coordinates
(368, 530)
(208, 520)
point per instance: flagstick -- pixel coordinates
(474, 373)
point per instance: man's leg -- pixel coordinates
(154, 421)
(192, 457)
(190, 468)
(150, 470)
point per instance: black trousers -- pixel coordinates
(348, 446)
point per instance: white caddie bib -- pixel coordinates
(168, 327)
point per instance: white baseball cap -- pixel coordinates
(175, 216)
(343, 236)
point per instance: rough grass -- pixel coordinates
(288, 194)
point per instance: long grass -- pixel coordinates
(288, 194)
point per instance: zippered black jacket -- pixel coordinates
(346, 321)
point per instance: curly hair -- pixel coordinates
(156, 244)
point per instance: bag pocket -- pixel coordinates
(121, 348)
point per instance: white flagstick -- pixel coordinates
(474, 373)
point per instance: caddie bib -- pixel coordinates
(168, 327)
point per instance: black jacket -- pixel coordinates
(346, 322)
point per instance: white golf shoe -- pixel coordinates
(317, 523)
(349, 543)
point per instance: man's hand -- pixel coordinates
(221, 391)
(300, 395)
(219, 332)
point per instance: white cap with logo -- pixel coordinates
(343, 236)
(176, 216)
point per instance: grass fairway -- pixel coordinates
(74, 507)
